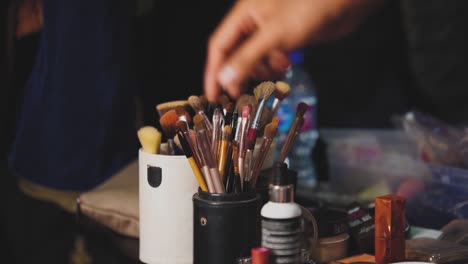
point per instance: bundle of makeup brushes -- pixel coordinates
(226, 143)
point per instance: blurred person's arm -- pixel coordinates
(256, 36)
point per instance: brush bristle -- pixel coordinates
(204, 101)
(282, 90)
(180, 110)
(171, 104)
(208, 106)
(198, 122)
(230, 107)
(270, 130)
(162, 108)
(275, 120)
(256, 92)
(196, 103)
(150, 139)
(246, 99)
(264, 90)
(301, 109)
(168, 123)
(223, 100)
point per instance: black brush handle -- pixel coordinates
(229, 172)
(237, 183)
(246, 186)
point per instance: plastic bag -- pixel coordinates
(439, 142)
(361, 160)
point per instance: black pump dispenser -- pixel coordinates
(279, 176)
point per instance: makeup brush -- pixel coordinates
(261, 153)
(162, 108)
(267, 117)
(282, 91)
(216, 133)
(246, 99)
(229, 110)
(294, 130)
(150, 139)
(224, 150)
(184, 118)
(199, 108)
(223, 100)
(185, 131)
(199, 123)
(209, 106)
(168, 124)
(244, 125)
(245, 102)
(196, 170)
(198, 119)
(227, 156)
(234, 175)
(245, 105)
(262, 92)
(204, 146)
(204, 102)
(234, 122)
(229, 172)
(237, 182)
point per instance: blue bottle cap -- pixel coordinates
(296, 57)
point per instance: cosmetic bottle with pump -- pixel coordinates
(282, 219)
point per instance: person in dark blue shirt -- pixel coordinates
(76, 125)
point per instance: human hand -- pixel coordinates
(256, 36)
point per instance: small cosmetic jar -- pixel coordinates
(331, 248)
(333, 241)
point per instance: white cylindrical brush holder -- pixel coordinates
(166, 187)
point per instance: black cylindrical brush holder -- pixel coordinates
(226, 226)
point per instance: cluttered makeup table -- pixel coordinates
(112, 210)
(183, 201)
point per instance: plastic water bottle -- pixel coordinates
(302, 90)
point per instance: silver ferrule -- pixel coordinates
(282, 194)
(258, 114)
